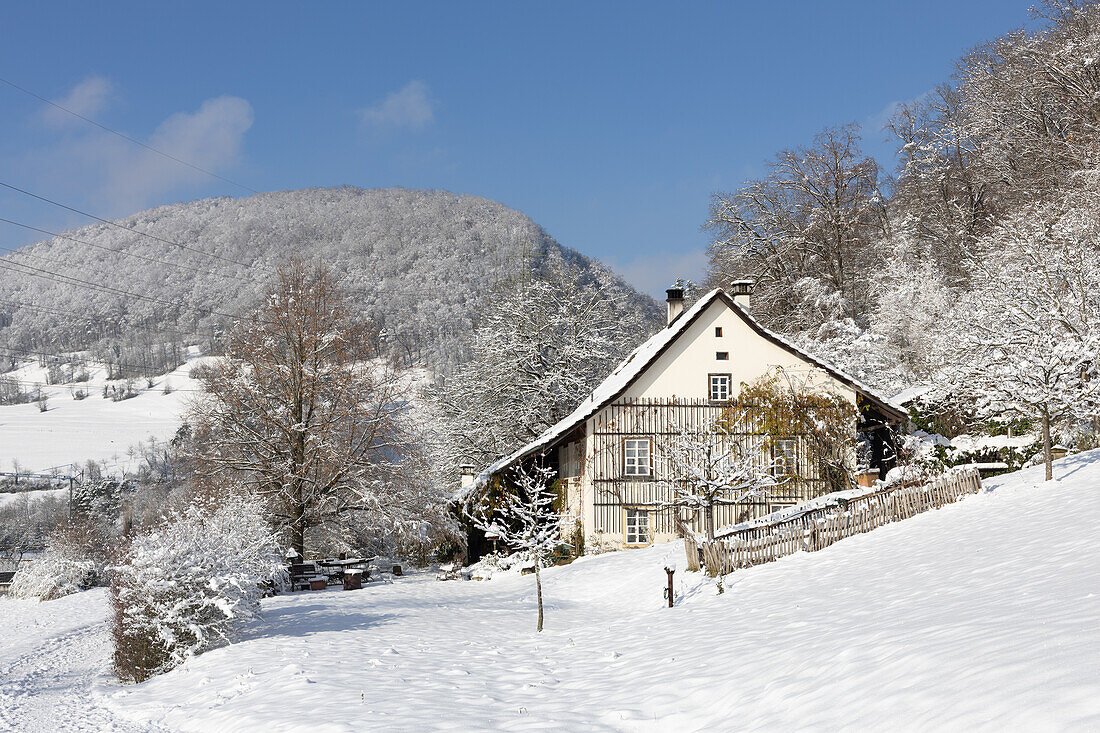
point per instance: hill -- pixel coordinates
(419, 263)
(977, 616)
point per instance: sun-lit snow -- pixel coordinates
(979, 615)
(95, 428)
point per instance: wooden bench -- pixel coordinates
(301, 574)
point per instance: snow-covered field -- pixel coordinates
(980, 615)
(94, 428)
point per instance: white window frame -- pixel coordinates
(637, 529)
(780, 456)
(711, 383)
(637, 461)
(777, 506)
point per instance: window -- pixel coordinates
(718, 331)
(785, 454)
(636, 457)
(719, 387)
(778, 507)
(722, 356)
(637, 527)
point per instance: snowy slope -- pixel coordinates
(53, 656)
(94, 428)
(980, 615)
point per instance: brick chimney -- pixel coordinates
(741, 292)
(675, 302)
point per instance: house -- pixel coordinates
(607, 452)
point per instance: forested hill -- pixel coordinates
(418, 262)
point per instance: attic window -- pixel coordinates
(718, 331)
(722, 356)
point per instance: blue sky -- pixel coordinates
(610, 124)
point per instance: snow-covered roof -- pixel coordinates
(636, 362)
(907, 395)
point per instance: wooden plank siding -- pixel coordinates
(661, 421)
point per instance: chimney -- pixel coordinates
(741, 291)
(675, 303)
(466, 475)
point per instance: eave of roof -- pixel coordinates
(628, 371)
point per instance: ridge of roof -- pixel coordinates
(623, 375)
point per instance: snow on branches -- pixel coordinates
(302, 411)
(524, 519)
(1030, 331)
(701, 469)
(190, 584)
(542, 345)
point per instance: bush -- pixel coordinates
(73, 561)
(190, 584)
(52, 576)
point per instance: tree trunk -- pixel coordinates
(1048, 457)
(298, 537)
(710, 522)
(538, 587)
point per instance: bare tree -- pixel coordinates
(524, 519)
(814, 217)
(705, 468)
(299, 409)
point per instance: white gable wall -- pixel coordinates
(683, 370)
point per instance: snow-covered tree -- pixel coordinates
(523, 518)
(913, 312)
(711, 466)
(300, 409)
(1029, 333)
(812, 220)
(543, 344)
(190, 584)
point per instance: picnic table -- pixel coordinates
(351, 572)
(337, 568)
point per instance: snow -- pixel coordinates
(74, 431)
(909, 394)
(55, 666)
(11, 498)
(980, 443)
(980, 615)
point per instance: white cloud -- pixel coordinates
(411, 107)
(878, 121)
(652, 273)
(86, 99)
(117, 177)
(209, 138)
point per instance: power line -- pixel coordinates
(130, 229)
(215, 273)
(90, 121)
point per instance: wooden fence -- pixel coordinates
(819, 527)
